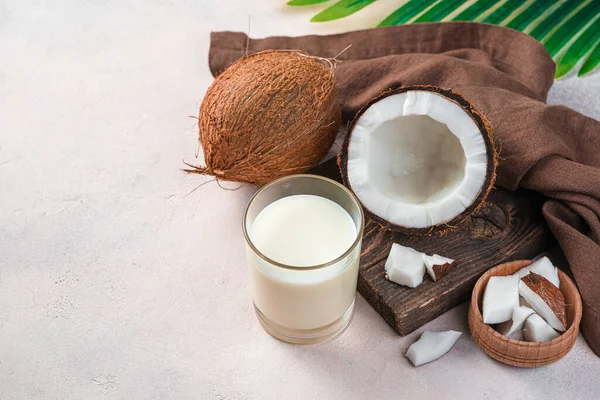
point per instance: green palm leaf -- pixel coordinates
(406, 12)
(578, 50)
(554, 19)
(569, 27)
(530, 14)
(474, 10)
(592, 61)
(502, 12)
(341, 9)
(561, 36)
(304, 2)
(440, 10)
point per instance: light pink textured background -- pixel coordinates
(115, 285)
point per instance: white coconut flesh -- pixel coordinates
(537, 330)
(541, 306)
(500, 299)
(416, 159)
(520, 315)
(543, 267)
(405, 266)
(431, 346)
(434, 260)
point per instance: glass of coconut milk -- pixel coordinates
(303, 237)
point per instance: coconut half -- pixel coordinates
(419, 158)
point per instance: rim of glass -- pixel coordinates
(312, 267)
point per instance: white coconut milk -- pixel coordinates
(303, 231)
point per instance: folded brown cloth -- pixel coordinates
(506, 75)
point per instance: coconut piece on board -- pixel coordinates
(545, 298)
(405, 266)
(500, 298)
(437, 266)
(538, 330)
(431, 346)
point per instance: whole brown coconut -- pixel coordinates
(270, 114)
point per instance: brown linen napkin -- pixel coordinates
(506, 75)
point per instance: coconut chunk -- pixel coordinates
(500, 298)
(543, 267)
(520, 315)
(545, 298)
(505, 326)
(537, 330)
(437, 266)
(405, 266)
(431, 346)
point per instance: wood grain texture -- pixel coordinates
(509, 227)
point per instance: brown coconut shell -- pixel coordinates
(492, 160)
(441, 270)
(270, 114)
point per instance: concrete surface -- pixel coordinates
(116, 285)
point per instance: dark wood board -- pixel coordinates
(508, 227)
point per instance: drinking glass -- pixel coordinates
(303, 304)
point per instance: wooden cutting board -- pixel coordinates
(509, 227)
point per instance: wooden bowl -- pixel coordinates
(516, 352)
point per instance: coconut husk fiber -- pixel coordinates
(264, 105)
(506, 75)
